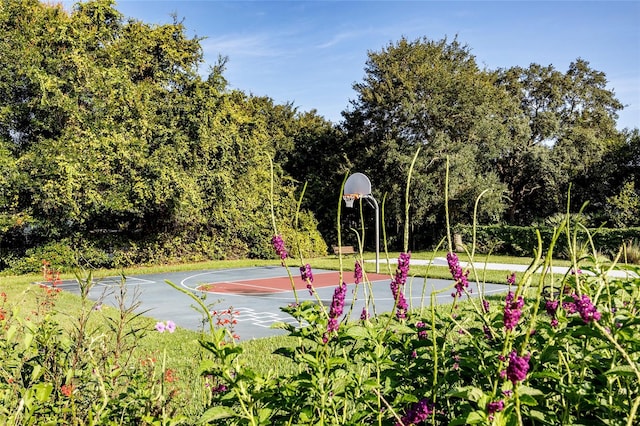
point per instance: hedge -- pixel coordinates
(522, 240)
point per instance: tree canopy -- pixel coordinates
(432, 95)
(112, 140)
(525, 134)
(107, 127)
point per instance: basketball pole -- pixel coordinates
(360, 184)
(375, 206)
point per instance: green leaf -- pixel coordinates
(528, 400)
(402, 329)
(282, 326)
(537, 415)
(470, 393)
(357, 332)
(458, 422)
(216, 413)
(28, 339)
(620, 370)
(43, 391)
(36, 372)
(11, 332)
(309, 359)
(526, 390)
(306, 415)
(264, 414)
(476, 417)
(286, 352)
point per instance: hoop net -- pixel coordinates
(349, 199)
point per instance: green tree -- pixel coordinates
(318, 159)
(431, 94)
(623, 209)
(106, 124)
(571, 117)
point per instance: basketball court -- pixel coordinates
(255, 295)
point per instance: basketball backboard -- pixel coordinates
(357, 183)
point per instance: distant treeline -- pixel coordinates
(114, 150)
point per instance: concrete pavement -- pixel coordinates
(256, 312)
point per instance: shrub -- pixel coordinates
(79, 375)
(632, 252)
(522, 240)
(60, 253)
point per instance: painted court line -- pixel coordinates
(115, 281)
(263, 319)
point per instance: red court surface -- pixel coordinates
(282, 284)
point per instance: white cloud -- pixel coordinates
(254, 45)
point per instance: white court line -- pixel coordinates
(183, 282)
(214, 272)
(114, 281)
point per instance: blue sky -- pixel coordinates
(310, 53)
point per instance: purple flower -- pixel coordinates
(551, 307)
(364, 315)
(305, 273)
(511, 279)
(487, 332)
(422, 335)
(337, 303)
(512, 311)
(517, 368)
(570, 307)
(402, 306)
(495, 406)
(307, 276)
(332, 325)
(219, 389)
(278, 246)
(585, 307)
(485, 305)
(161, 327)
(458, 275)
(402, 271)
(419, 412)
(357, 273)
(336, 309)
(397, 285)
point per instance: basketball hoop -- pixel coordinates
(349, 199)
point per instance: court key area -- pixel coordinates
(255, 295)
